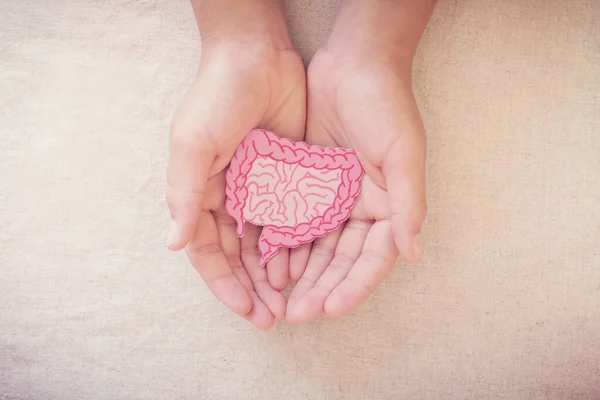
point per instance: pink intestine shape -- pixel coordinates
(295, 191)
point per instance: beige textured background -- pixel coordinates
(505, 306)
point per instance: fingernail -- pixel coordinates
(417, 249)
(171, 236)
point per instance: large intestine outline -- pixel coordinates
(285, 159)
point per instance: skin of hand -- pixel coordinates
(360, 97)
(249, 76)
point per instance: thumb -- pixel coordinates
(202, 128)
(221, 107)
(190, 158)
(404, 172)
(191, 154)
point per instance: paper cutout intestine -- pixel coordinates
(295, 191)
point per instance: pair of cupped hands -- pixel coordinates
(344, 99)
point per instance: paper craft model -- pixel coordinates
(296, 191)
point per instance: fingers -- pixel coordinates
(250, 255)
(323, 250)
(190, 158)
(404, 172)
(260, 315)
(374, 263)
(347, 252)
(207, 257)
(278, 269)
(298, 260)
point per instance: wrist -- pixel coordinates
(379, 31)
(251, 24)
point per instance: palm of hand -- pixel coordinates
(372, 111)
(228, 99)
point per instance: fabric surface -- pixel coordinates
(506, 304)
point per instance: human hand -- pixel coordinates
(248, 79)
(363, 100)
